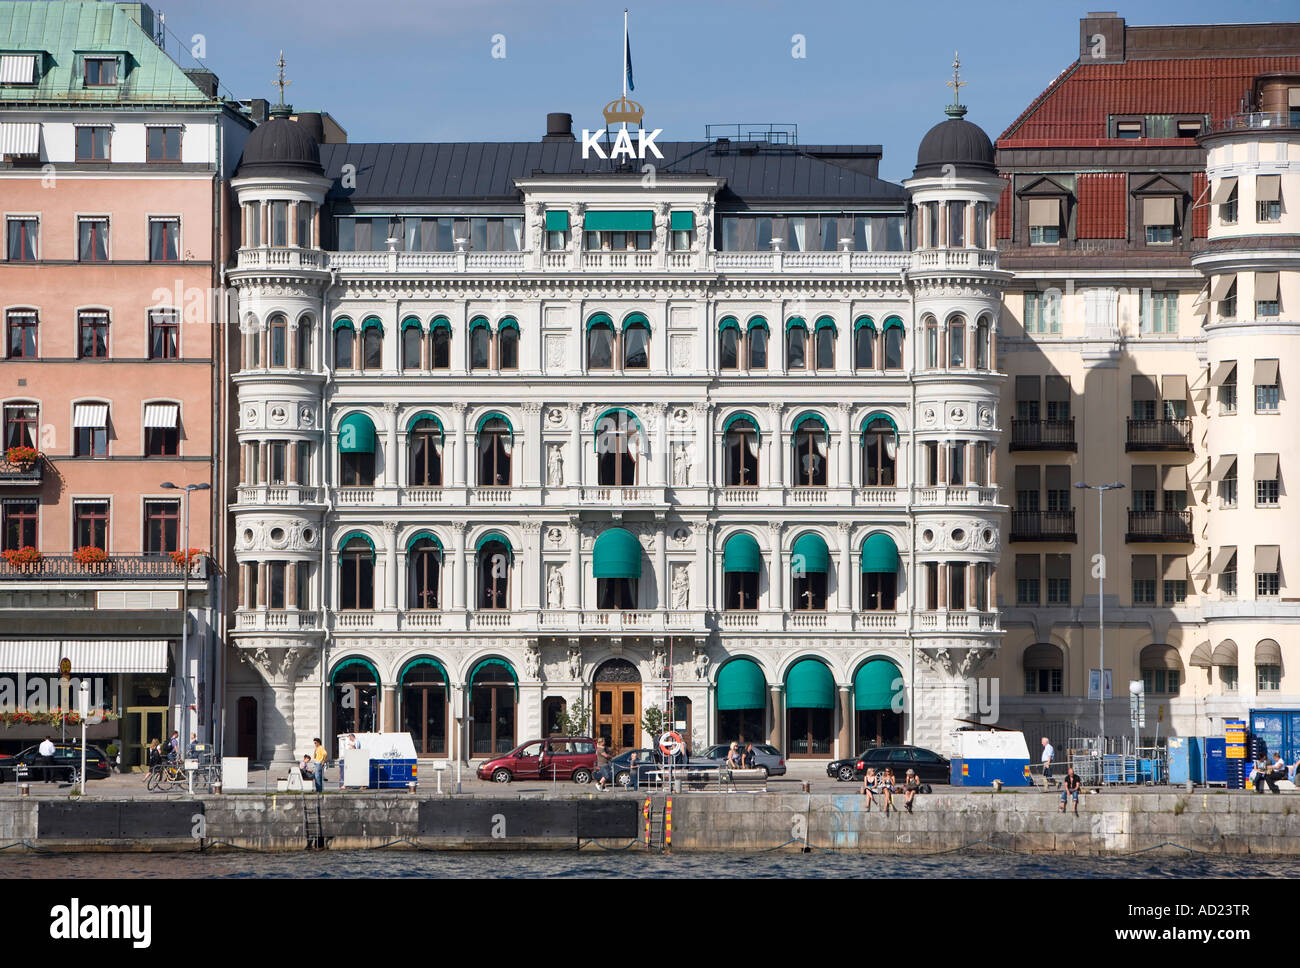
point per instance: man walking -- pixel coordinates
(46, 754)
(1049, 754)
(318, 760)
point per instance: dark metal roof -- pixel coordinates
(485, 171)
(280, 147)
(956, 142)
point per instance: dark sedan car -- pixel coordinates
(766, 757)
(64, 765)
(930, 767)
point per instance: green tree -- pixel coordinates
(575, 720)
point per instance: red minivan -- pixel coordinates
(558, 758)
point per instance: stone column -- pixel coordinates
(575, 596)
(844, 737)
(291, 334)
(291, 462)
(291, 584)
(659, 454)
(533, 469)
(777, 728)
(390, 565)
(261, 584)
(278, 668)
(262, 462)
(846, 448)
(390, 445)
(776, 572)
(844, 584)
(778, 455)
(573, 475)
(663, 580)
(388, 706)
(460, 443)
(459, 578)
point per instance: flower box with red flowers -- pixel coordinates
(184, 559)
(25, 557)
(22, 458)
(90, 555)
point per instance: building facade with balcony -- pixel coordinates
(520, 430)
(1124, 365)
(112, 161)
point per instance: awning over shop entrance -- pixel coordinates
(741, 686)
(809, 685)
(41, 656)
(873, 686)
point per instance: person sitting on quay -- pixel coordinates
(887, 788)
(733, 756)
(750, 759)
(305, 768)
(870, 784)
(1072, 785)
(912, 786)
(1274, 773)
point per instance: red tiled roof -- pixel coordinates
(1005, 214)
(1103, 204)
(1201, 201)
(1077, 104)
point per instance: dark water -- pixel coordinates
(624, 864)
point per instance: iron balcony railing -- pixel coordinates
(1159, 526)
(1253, 120)
(1043, 434)
(116, 568)
(15, 475)
(1043, 526)
(1171, 434)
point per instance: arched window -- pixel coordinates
(354, 686)
(600, 343)
(741, 701)
(508, 344)
(495, 445)
(494, 558)
(425, 453)
(932, 358)
(619, 448)
(278, 340)
(879, 452)
(957, 342)
(740, 444)
(825, 357)
(372, 344)
(982, 332)
(304, 343)
(796, 344)
(412, 337)
(879, 573)
(480, 344)
(357, 572)
(636, 342)
(1162, 670)
(809, 565)
(756, 336)
(864, 344)
(877, 688)
(616, 565)
(344, 344)
(1044, 669)
(440, 344)
(423, 570)
(810, 444)
(893, 344)
(493, 700)
(729, 344)
(357, 451)
(810, 708)
(742, 562)
(424, 705)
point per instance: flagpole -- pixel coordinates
(625, 54)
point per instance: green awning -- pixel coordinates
(410, 322)
(479, 322)
(635, 318)
(878, 415)
(508, 323)
(825, 322)
(494, 415)
(746, 418)
(357, 434)
(343, 541)
(356, 661)
(489, 536)
(758, 322)
(879, 555)
(893, 322)
(421, 535)
(372, 322)
(681, 221)
(619, 222)
(343, 323)
(809, 685)
(423, 415)
(795, 322)
(728, 322)
(628, 421)
(506, 673)
(557, 220)
(741, 553)
(813, 418)
(873, 686)
(424, 660)
(810, 551)
(600, 319)
(741, 686)
(864, 322)
(617, 554)
(440, 322)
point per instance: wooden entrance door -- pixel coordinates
(618, 714)
(143, 724)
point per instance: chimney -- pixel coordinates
(258, 109)
(205, 81)
(142, 14)
(313, 124)
(1101, 38)
(559, 127)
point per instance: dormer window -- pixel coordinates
(18, 69)
(100, 71)
(1128, 130)
(1044, 221)
(1159, 217)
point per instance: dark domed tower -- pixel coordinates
(279, 507)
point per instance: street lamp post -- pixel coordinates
(1099, 561)
(184, 677)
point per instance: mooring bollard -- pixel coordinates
(216, 788)
(24, 789)
(410, 787)
(806, 786)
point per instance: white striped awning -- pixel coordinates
(90, 415)
(20, 138)
(18, 69)
(161, 415)
(41, 656)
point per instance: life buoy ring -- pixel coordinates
(670, 744)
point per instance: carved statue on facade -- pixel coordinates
(554, 466)
(681, 589)
(701, 663)
(555, 588)
(533, 662)
(575, 662)
(658, 663)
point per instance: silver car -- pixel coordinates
(767, 758)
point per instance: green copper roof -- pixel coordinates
(61, 32)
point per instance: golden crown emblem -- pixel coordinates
(622, 110)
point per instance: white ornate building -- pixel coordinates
(519, 429)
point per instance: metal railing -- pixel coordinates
(1043, 434)
(1159, 526)
(116, 568)
(1256, 119)
(1170, 434)
(1043, 526)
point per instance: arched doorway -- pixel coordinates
(354, 695)
(494, 696)
(877, 695)
(810, 709)
(246, 727)
(617, 701)
(424, 705)
(741, 702)
(553, 709)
